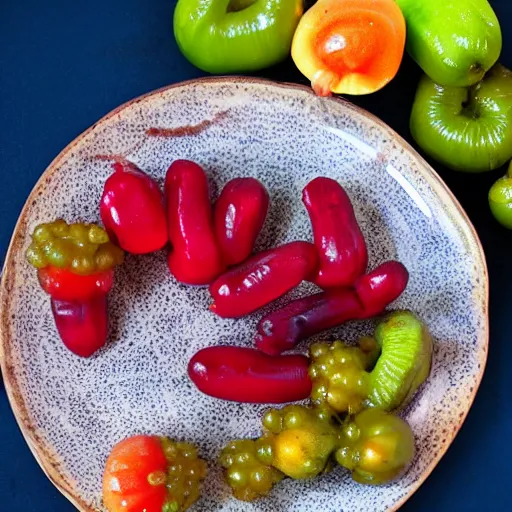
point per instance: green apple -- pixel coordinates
(466, 128)
(500, 199)
(454, 41)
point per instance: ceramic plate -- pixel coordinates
(73, 410)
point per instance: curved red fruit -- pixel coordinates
(62, 284)
(341, 246)
(381, 286)
(195, 257)
(281, 330)
(239, 215)
(247, 375)
(262, 278)
(132, 210)
(82, 326)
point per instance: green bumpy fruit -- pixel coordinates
(247, 470)
(185, 473)
(299, 440)
(500, 199)
(375, 446)
(339, 374)
(404, 363)
(81, 248)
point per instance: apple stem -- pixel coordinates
(470, 106)
(239, 5)
(477, 70)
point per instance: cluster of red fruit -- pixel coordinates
(212, 246)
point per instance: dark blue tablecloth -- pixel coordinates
(64, 64)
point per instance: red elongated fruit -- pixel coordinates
(381, 286)
(195, 257)
(63, 284)
(247, 375)
(262, 278)
(341, 246)
(281, 330)
(132, 210)
(82, 326)
(239, 215)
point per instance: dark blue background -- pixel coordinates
(64, 64)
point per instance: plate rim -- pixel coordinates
(48, 463)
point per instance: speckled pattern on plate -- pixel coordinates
(73, 410)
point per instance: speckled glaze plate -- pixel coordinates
(71, 410)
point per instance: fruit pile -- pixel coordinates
(302, 443)
(355, 391)
(213, 245)
(462, 112)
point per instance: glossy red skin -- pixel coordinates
(262, 279)
(195, 257)
(82, 326)
(281, 330)
(132, 210)
(239, 215)
(341, 245)
(62, 284)
(381, 286)
(247, 375)
(125, 479)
